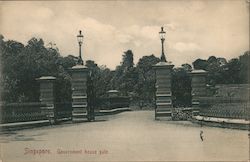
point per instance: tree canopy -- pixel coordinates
(221, 71)
(22, 64)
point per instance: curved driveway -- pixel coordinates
(129, 136)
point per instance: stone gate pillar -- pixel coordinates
(198, 85)
(47, 97)
(163, 72)
(80, 74)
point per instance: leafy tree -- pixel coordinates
(187, 67)
(10, 50)
(146, 82)
(22, 65)
(101, 77)
(244, 71)
(211, 65)
(181, 87)
(233, 68)
(125, 76)
(128, 60)
(222, 72)
(200, 64)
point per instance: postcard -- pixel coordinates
(123, 80)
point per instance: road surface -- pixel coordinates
(129, 136)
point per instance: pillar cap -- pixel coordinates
(78, 68)
(198, 72)
(46, 78)
(163, 64)
(113, 91)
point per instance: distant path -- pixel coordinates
(129, 136)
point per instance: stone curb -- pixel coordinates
(222, 122)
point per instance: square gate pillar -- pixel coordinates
(198, 85)
(163, 76)
(80, 74)
(47, 97)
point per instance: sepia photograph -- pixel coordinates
(124, 81)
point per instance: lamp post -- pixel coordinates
(80, 40)
(162, 34)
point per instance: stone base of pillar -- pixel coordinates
(163, 94)
(80, 74)
(50, 112)
(198, 89)
(47, 98)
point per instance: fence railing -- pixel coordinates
(212, 99)
(19, 112)
(107, 103)
(224, 107)
(22, 112)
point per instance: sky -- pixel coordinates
(194, 28)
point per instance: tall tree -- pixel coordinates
(22, 65)
(181, 87)
(187, 67)
(125, 77)
(127, 59)
(145, 88)
(200, 64)
(101, 78)
(244, 73)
